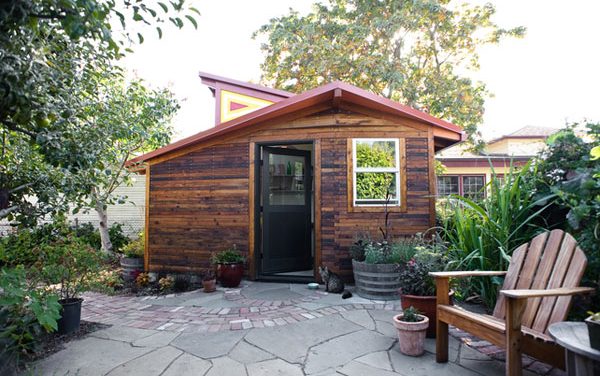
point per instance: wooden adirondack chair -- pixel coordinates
(542, 277)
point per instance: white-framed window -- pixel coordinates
(376, 171)
(470, 186)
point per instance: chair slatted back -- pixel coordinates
(550, 260)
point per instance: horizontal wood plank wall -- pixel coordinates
(200, 202)
(198, 205)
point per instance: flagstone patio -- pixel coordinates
(259, 329)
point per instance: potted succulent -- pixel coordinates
(132, 261)
(411, 327)
(209, 280)
(230, 266)
(67, 266)
(417, 288)
(593, 325)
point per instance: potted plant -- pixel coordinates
(209, 280)
(417, 288)
(132, 261)
(67, 265)
(411, 327)
(376, 265)
(593, 325)
(230, 266)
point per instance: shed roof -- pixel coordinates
(336, 92)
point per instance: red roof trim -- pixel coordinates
(212, 79)
(307, 99)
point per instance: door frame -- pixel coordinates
(255, 207)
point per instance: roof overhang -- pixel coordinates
(335, 94)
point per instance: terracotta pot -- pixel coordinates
(210, 285)
(230, 275)
(425, 305)
(411, 335)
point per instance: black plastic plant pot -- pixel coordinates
(594, 332)
(70, 315)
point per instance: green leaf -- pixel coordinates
(164, 7)
(140, 38)
(160, 33)
(595, 153)
(192, 20)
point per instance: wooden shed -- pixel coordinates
(284, 177)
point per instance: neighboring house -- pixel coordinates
(467, 173)
(291, 184)
(129, 214)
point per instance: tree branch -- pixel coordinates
(5, 212)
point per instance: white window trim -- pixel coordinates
(356, 169)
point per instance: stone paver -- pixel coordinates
(260, 329)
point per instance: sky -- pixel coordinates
(548, 78)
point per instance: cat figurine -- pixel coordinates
(333, 282)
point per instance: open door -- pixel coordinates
(286, 193)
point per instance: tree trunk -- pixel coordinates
(103, 228)
(101, 209)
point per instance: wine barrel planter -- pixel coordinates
(132, 266)
(376, 281)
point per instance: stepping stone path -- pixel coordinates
(260, 329)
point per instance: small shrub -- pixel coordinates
(68, 265)
(411, 314)
(414, 278)
(89, 234)
(165, 284)
(135, 248)
(107, 281)
(228, 256)
(25, 313)
(117, 237)
(398, 252)
(142, 280)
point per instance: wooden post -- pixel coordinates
(442, 286)
(514, 314)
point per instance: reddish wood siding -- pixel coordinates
(198, 205)
(200, 201)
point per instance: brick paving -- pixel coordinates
(139, 312)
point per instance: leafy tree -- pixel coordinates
(54, 54)
(415, 52)
(127, 119)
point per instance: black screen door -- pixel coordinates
(286, 191)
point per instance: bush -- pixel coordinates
(68, 264)
(25, 313)
(135, 248)
(482, 236)
(397, 252)
(182, 283)
(228, 256)
(16, 249)
(414, 277)
(90, 234)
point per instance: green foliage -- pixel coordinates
(68, 264)
(411, 314)
(413, 52)
(135, 248)
(482, 235)
(375, 185)
(25, 313)
(228, 256)
(56, 62)
(396, 252)
(414, 278)
(89, 234)
(569, 169)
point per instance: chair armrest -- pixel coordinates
(562, 291)
(462, 274)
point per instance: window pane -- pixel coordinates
(286, 180)
(375, 154)
(373, 187)
(473, 187)
(447, 185)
